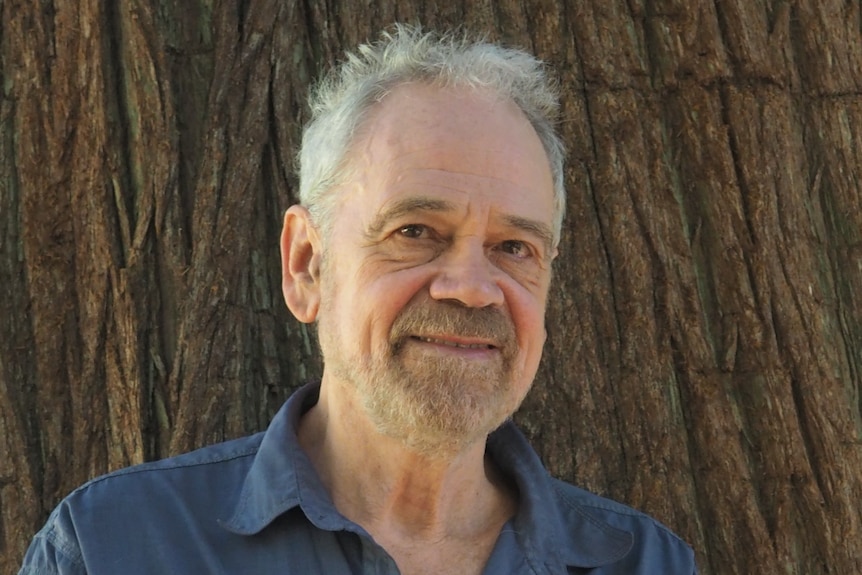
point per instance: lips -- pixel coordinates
(450, 343)
(476, 330)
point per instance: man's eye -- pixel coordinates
(516, 248)
(413, 231)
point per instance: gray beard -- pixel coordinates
(434, 405)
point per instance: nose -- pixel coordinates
(467, 276)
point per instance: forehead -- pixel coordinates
(460, 143)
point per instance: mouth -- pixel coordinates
(455, 343)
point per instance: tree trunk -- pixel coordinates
(704, 359)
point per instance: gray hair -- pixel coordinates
(341, 101)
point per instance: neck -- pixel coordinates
(395, 493)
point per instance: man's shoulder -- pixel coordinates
(197, 478)
(584, 529)
(105, 515)
(583, 500)
(651, 540)
(235, 452)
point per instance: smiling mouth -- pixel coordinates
(451, 343)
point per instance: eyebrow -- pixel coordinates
(426, 204)
(534, 227)
(407, 206)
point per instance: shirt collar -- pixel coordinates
(281, 476)
(548, 524)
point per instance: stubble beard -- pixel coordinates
(435, 404)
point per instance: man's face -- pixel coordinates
(436, 272)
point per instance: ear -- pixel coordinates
(301, 250)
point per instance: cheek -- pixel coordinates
(528, 313)
(391, 292)
(534, 341)
(372, 303)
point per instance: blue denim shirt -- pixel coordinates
(256, 505)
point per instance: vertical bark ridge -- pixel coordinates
(704, 358)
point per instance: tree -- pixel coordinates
(704, 360)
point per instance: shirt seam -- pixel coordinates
(618, 509)
(30, 570)
(621, 548)
(69, 550)
(160, 465)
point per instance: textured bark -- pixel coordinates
(704, 359)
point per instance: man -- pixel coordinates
(431, 206)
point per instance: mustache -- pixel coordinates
(435, 318)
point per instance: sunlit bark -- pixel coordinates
(704, 360)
